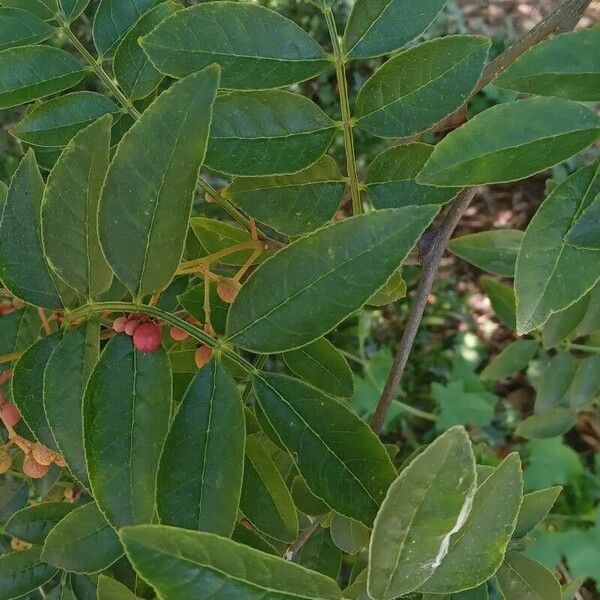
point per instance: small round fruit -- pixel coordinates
(228, 289)
(10, 414)
(119, 324)
(42, 455)
(147, 337)
(33, 469)
(202, 356)
(131, 326)
(178, 335)
(5, 460)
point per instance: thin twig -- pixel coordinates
(433, 244)
(433, 247)
(304, 536)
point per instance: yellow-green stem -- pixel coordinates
(347, 122)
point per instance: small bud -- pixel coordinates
(147, 337)
(131, 326)
(33, 469)
(178, 335)
(203, 355)
(19, 545)
(42, 455)
(228, 289)
(60, 461)
(10, 414)
(119, 324)
(5, 460)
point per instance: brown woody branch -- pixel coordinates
(433, 244)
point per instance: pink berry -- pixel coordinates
(33, 469)
(10, 414)
(178, 335)
(202, 356)
(147, 337)
(131, 326)
(119, 324)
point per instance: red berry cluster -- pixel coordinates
(146, 333)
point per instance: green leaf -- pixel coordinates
(266, 501)
(535, 509)
(113, 19)
(378, 27)
(133, 70)
(341, 459)
(14, 495)
(307, 502)
(20, 28)
(71, 9)
(31, 72)
(461, 403)
(18, 330)
(502, 298)
(562, 325)
(521, 578)
(56, 121)
(23, 572)
(511, 141)
(478, 593)
(83, 542)
(271, 132)
(110, 589)
(548, 424)
(23, 269)
(147, 196)
(395, 289)
(586, 383)
(292, 204)
(554, 381)
(423, 509)
(566, 65)
(477, 550)
(322, 365)
(32, 524)
(215, 236)
(420, 86)
(71, 246)
(43, 9)
(349, 535)
(183, 565)
(192, 300)
(65, 377)
(591, 321)
(551, 275)
(513, 358)
(584, 233)
(391, 178)
(493, 251)
(550, 462)
(320, 554)
(256, 47)
(126, 415)
(274, 310)
(201, 467)
(27, 387)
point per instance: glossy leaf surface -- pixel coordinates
(31, 72)
(122, 453)
(267, 133)
(182, 565)
(377, 27)
(420, 86)
(146, 200)
(424, 507)
(23, 572)
(32, 524)
(324, 437)
(72, 246)
(551, 274)
(521, 578)
(20, 27)
(83, 542)
(510, 142)
(207, 432)
(312, 272)
(56, 121)
(566, 65)
(256, 47)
